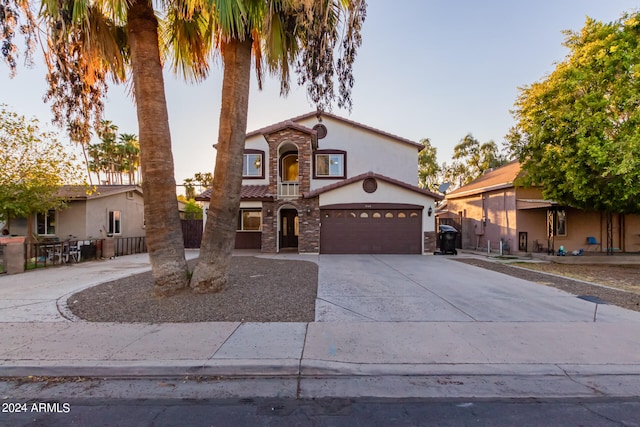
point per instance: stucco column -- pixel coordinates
(13, 254)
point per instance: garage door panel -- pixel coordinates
(391, 231)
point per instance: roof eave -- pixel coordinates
(480, 190)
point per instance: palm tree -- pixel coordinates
(87, 42)
(164, 231)
(288, 33)
(189, 189)
(131, 155)
(107, 132)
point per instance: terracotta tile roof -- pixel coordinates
(287, 124)
(248, 192)
(363, 176)
(496, 179)
(94, 192)
(293, 122)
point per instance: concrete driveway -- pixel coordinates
(415, 288)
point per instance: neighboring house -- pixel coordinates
(109, 211)
(492, 209)
(325, 184)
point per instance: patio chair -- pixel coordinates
(592, 241)
(72, 252)
(55, 252)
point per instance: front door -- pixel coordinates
(288, 228)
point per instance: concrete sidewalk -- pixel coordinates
(339, 358)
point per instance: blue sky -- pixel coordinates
(435, 69)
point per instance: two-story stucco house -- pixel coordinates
(325, 184)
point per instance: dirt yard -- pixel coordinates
(624, 277)
(616, 284)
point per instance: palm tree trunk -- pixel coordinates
(210, 274)
(163, 229)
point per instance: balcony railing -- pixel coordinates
(288, 189)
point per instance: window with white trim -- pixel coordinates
(46, 223)
(115, 223)
(250, 220)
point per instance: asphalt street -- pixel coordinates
(323, 412)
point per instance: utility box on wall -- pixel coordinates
(13, 254)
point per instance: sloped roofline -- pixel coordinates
(490, 181)
(330, 187)
(79, 192)
(286, 124)
(247, 193)
(292, 123)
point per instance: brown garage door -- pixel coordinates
(376, 230)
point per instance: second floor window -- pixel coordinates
(46, 223)
(330, 165)
(252, 165)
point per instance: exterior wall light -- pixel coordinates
(430, 211)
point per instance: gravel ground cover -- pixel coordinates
(621, 283)
(259, 290)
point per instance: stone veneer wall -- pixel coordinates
(269, 227)
(430, 238)
(303, 141)
(308, 223)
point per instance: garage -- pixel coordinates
(371, 229)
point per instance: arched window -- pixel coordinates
(290, 168)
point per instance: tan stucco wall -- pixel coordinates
(504, 222)
(487, 219)
(72, 221)
(632, 233)
(132, 215)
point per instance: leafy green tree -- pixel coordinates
(193, 209)
(428, 168)
(472, 159)
(202, 180)
(578, 130)
(33, 166)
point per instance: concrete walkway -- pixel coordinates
(389, 326)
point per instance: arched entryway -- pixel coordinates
(289, 228)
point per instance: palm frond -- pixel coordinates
(187, 37)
